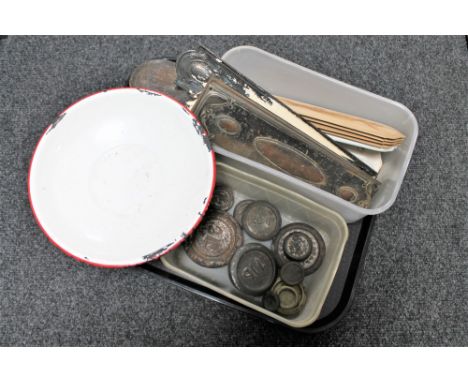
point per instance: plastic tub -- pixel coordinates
(284, 78)
(293, 208)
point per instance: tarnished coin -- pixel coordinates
(223, 198)
(299, 242)
(261, 220)
(271, 301)
(214, 243)
(292, 298)
(158, 75)
(240, 208)
(292, 273)
(253, 269)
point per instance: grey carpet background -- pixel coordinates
(413, 290)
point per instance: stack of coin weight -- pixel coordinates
(266, 260)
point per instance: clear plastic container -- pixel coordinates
(293, 208)
(284, 78)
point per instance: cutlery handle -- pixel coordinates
(361, 125)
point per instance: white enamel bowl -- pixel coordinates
(122, 177)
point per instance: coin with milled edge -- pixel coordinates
(261, 220)
(240, 208)
(292, 273)
(215, 241)
(223, 198)
(271, 301)
(253, 269)
(158, 75)
(299, 242)
(292, 298)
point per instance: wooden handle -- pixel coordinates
(369, 142)
(360, 125)
(348, 130)
(352, 133)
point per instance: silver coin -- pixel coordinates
(299, 242)
(215, 241)
(240, 208)
(158, 75)
(253, 269)
(261, 220)
(292, 298)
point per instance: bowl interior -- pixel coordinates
(121, 177)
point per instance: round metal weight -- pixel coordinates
(261, 220)
(292, 273)
(292, 298)
(240, 208)
(271, 301)
(215, 241)
(253, 269)
(223, 198)
(158, 75)
(299, 242)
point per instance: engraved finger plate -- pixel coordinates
(194, 69)
(242, 127)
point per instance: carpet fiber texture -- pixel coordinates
(413, 290)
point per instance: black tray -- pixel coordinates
(341, 292)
